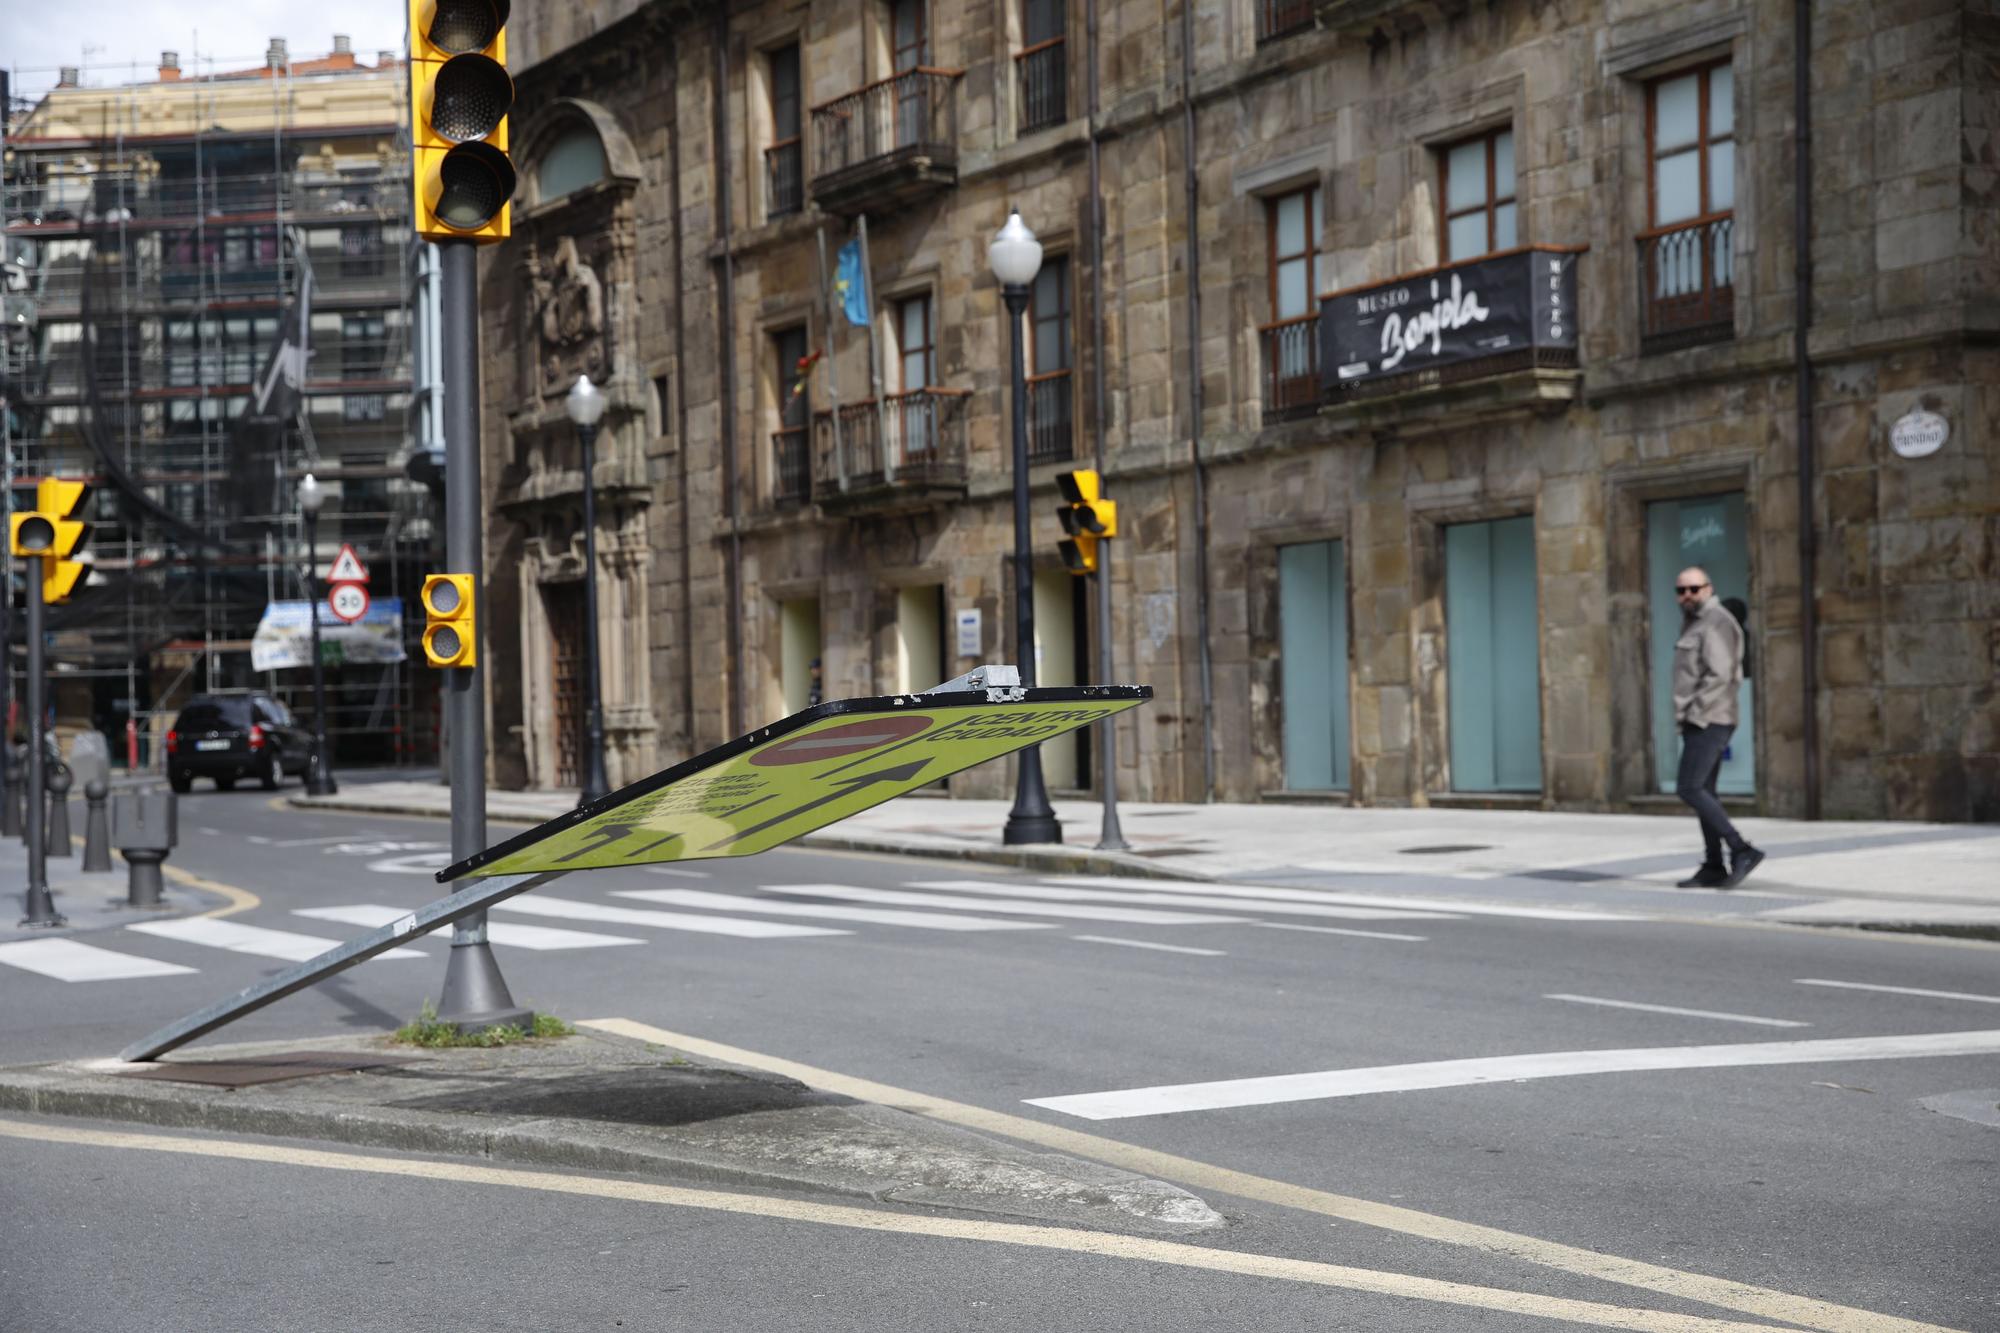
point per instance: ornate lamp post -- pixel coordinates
(586, 408)
(319, 775)
(1016, 257)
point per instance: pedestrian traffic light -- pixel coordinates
(1086, 518)
(47, 531)
(460, 93)
(451, 623)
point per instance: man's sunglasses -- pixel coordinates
(1688, 589)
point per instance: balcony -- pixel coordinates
(784, 177)
(1282, 18)
(888, 144)
(1044, 73)
(1051, 417)
(791, 471)
(1687, 284)
(1291, 367)
(905, 452)
(1498, 332)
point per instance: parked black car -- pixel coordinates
(232, 736)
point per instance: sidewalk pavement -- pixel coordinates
(1943, 877)
(601, 1100)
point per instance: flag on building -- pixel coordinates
(851, 284)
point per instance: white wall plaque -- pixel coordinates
(967, 622)
(1919, 434)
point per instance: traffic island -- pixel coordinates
(597, 1101)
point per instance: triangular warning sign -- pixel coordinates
(347, 567)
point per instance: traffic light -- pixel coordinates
(1086, 517)
(460, 93)
(48, 532)
(451, 622)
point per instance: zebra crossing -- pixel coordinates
(780, 911)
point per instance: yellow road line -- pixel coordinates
(1719, 1292)
(1105, 1245)
(240, 900)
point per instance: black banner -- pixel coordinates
(1487, 307)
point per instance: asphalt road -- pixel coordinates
(1828, 1177)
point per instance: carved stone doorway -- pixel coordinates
(564, 609)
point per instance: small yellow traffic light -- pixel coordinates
(1087, 519)
(47, 531)
(451, 622)
(460, 93)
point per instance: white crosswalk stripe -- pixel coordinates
(1393, 902)
(1004, 906)
(262, 941)
(514, 936)
(1222, 896)
(67, 960)
(885, 916)
(535, 904)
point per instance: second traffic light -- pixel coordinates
(47, 531)
(1086, 517)
(460, 94)
(451, 622)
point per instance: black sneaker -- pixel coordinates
(1741, 863)
(1710, 876)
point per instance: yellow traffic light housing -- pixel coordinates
(460, 93)
(1087, 518)
(49, 533)
(451, 622)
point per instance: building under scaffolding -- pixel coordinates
(208, 292)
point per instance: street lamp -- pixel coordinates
(586, 408)
(319, 775)
(1016, 256)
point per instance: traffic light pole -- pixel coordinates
(41, 906)
(475, 994)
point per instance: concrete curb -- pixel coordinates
(1056, 859)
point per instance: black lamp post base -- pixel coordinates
(319, 782)
(1031, 828)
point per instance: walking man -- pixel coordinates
(1708, 668)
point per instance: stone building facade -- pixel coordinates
(1437, 575)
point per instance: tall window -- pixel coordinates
(1050, 393)
(909, 28)
(1291, 368)
(572, 162)
(913, 415)
(1477, 184)
(1043, 63)
(783, 160)
(792, 467)
(1686, 257)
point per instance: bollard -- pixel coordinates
(58, 780)
(96, 827)
(143, 829)
(12, 822)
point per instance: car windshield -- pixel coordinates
(213, 715)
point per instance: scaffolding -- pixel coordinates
(161, 238)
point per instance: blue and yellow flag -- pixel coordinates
(848, 282)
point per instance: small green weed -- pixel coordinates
(427, 1031)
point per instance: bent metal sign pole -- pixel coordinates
(757, 792)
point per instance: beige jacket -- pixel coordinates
(1708, 666)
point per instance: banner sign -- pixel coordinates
(1488, 307)
(284, 636)
(812, 769)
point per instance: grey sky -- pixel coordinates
(119, 42)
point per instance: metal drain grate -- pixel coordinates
(265, 1068)
(1446, 847)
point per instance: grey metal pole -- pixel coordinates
(595, 784)
(41, 907)
(1031, 819)
(475, 994)
(319, 774)
(1110, 837)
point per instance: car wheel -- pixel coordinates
(273, 773)
(225, 784)
(180, 782)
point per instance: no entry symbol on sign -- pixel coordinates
(834, 742)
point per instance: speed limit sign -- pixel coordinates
(349, 601)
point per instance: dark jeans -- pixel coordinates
(1701, 760)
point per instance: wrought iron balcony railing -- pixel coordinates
(1291, 367)
(1282, 18)
(1687, 283)
(1051, 417)
(886, 143)
(1044, 74)
(791, 457)
(784, 177)
(904, 445)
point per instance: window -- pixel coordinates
(784, 164)
(1290, 340)
(572, 162)
(914, 335)
(791, 457)
(1043, 64)
(663, 403)
(1686, 255)
(1282, 18)
(909, 29)
(1050, 423)
(1476, 181)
